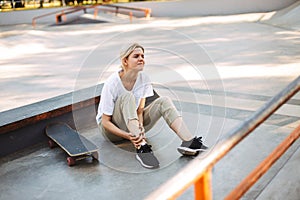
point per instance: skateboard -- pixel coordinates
(75, 145)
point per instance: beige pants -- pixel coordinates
(125, 110)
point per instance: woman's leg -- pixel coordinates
(179, 127)
(124, 116)
(163, 106)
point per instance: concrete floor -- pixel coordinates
(42, 173)
(241, 64)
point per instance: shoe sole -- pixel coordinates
(189, 152)
(144, 165)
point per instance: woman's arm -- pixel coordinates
(110, 127)
(140, 112)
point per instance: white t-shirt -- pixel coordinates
(113, 88)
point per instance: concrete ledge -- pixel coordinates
(24, 126)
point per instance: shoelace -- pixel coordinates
(199, 139)
(146, 148)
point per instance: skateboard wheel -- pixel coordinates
(95, 156)
(51, 144)
(71, 161)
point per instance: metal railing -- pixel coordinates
(198, 172)
(56, 13)
(147, 11)
(61, 14)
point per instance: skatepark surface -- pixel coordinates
(218, 70)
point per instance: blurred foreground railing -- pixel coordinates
(198, 172)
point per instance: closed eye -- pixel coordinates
(138, 55)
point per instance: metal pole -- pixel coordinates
(203, 187)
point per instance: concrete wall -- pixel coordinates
(26, 16)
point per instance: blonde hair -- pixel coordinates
(125, 53)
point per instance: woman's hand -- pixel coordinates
(137, 139)
(141, 127)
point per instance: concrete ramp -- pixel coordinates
(191, 8)
(286, 18)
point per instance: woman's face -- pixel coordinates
(135, 60)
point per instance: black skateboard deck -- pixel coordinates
(74, 144)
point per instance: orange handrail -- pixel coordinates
(147, 11)
(54, 13)
(63, 13)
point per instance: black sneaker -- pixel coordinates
(146, 157)
(192, 147)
